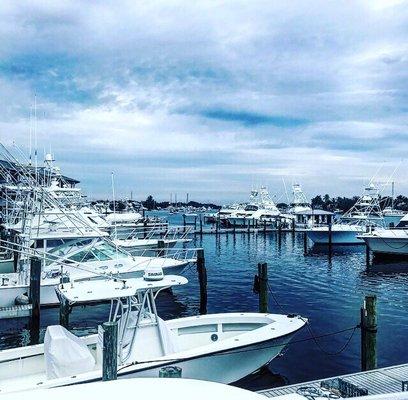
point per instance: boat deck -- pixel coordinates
(377, 381)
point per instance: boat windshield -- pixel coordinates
(82, 251)
(251, 207)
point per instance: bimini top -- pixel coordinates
(109, 289)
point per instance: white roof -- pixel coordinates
(155, 388)
(108, 289)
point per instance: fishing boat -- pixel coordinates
(84, 259)
(261, 209)
(215, 347)
(365, 215)
(172, 389)
(392, 241)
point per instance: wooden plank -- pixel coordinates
(15, 311)
(378, 381)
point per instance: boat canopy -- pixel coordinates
(110, 289)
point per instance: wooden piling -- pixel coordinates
(233, 226)
(202, 279)
(160, 245)
(264, 227)
(144, 228)
(201, 224)
(367, 256)
(34, 299)
(110, 351)
(64, 311)
(305, 242)
(263, 287)
(369, 333)
(330, 236)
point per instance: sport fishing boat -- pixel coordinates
(84, 259)
(261, 209)
(364, 216)
(216, 347)
(389, 241)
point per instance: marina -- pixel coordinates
(203, 200)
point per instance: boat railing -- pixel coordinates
(161, 232)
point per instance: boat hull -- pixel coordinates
(338, 237)
(381, 245)
(222, 367)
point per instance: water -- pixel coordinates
(327, 290)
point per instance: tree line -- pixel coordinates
(345, 203)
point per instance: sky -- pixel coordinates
(211, 97)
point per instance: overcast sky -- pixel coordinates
(209, 97)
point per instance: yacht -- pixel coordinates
(86, 258)
(301, 210)
(261, 209)
(365, 215)
(215, 347)
(389, 241)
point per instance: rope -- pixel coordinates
(313, 336)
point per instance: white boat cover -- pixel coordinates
(65, 354)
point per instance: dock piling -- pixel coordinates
(34, 299)
(330, 237)
(369, 333)
(160, 246)
(202, 278)
(263, 287)
(64, 312)
(110, 351)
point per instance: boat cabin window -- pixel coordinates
(402, 224)
(251, 207)
(101, 252)
(198, 329)
(244, 326)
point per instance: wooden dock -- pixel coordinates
(223, 231)
(377, 381)
(15, 311)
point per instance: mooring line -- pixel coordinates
(313, 336)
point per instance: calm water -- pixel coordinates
(327, 290)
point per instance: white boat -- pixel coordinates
(261, 209)
(389, 241)
(218, 347)
(340, 234)
(365, 215)
(171, 389)
(83, 259)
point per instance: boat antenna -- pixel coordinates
(31, 134)
(286, 190)
(35, 135)
(114, 205)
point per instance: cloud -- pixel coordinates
(184, 96)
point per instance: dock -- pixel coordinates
(16, 311)
(260, 230)
(378, 381)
